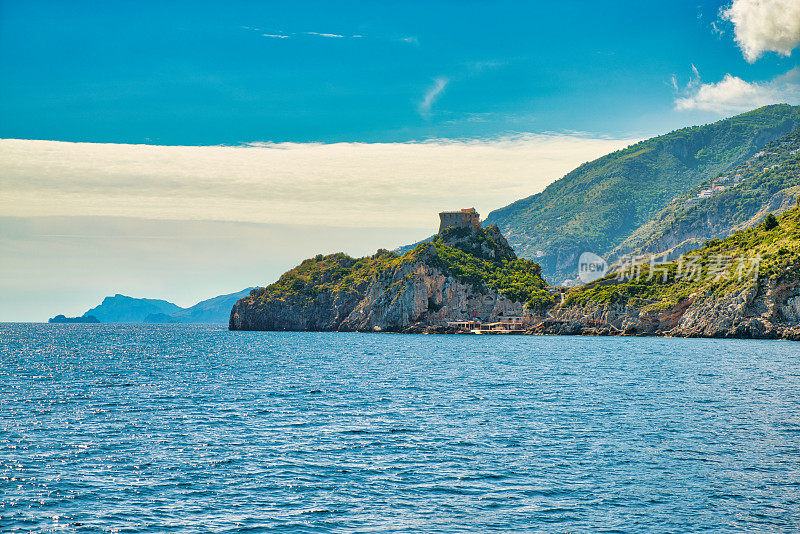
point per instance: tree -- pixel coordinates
(770, 222)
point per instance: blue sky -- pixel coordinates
(183, 150)
(204, 73)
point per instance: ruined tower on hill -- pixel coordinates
(465, 218)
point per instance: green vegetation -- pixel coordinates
(335, 272)
(482, 259)
(727, 267)
(485, 261)
(601, 203)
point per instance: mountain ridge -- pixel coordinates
(768, 182)
(600, 203)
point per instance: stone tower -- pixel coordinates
(465, 218)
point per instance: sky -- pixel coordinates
(186, 150)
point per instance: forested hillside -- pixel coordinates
(768, 182)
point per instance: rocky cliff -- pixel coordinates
(747, 286)
(768, 309)
(460, 274)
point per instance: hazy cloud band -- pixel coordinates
(342, 184)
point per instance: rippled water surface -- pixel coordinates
(195, 429)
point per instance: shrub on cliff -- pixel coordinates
(770, 222)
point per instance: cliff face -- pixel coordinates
(766, 309)
(461, 274)
(765, 303)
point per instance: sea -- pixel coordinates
(192, 428)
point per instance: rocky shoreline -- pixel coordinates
(766, 309)
(756, 313)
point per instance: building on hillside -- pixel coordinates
(505, 324)
(465, 326)
(465, 218)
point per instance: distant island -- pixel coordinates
(64, 319)
(124, 309)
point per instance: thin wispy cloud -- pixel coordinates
(330, 35)
(466, 71)
(286, 35)
(268, 34)
(430, 96)
(482, 66)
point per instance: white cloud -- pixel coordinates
(733, 94)
(275, 36)
(432, 94)
(391, 185)
(765, 26)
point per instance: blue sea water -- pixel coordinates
(179, 428)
